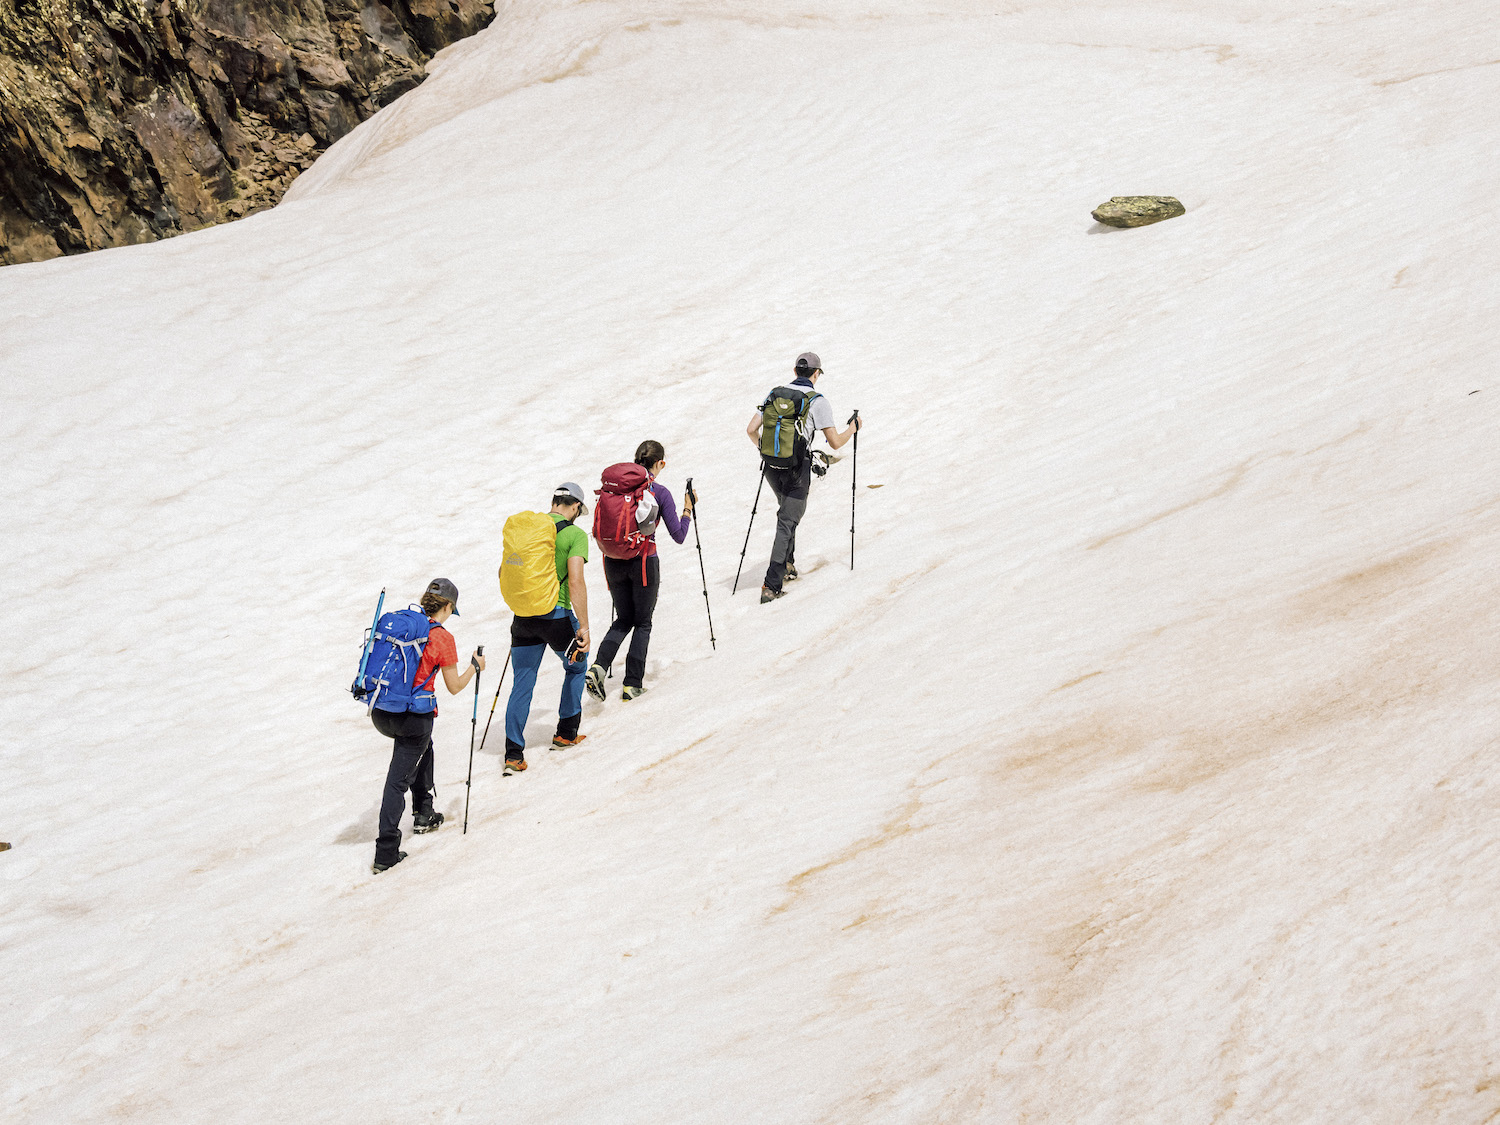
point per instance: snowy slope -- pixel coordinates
(1141, 771)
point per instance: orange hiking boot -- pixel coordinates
(561, 743)
(513, 765)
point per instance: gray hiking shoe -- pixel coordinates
(377, 868)
(769, 595)
(791, 573)
(630, 693)
(593, 680)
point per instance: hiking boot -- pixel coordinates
(593, 680)
(791, 573)
(561, 743)
(630, 693)
(769, 595)
(514, 765)
(377, 867)
(426, 821)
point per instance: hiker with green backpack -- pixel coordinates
(782, 431)
(541, 579)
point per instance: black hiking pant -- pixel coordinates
(635, 602)
(790, 488)
(411, 768)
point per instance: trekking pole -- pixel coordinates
(473, 729)
(469, 784)
(853, 487)
(498, 686)
(702, 573)
(751, 524)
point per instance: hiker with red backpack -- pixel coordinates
(541, 579)
(398, 673)
(782, 431)
(631, 504)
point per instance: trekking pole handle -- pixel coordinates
(853, 418)
(477, 653)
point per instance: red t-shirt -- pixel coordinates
(441, 651)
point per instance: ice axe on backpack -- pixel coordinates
(469, 784)
(358, 688)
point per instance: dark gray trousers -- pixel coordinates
(790, 488)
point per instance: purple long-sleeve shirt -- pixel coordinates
(677, 527)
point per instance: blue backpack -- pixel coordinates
(388, 663)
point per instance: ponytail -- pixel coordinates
(649, 453)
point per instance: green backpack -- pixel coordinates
(782, 445)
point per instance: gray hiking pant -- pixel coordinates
(790, 489)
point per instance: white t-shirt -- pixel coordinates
(820, 417)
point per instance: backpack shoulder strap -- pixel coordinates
(786, 392)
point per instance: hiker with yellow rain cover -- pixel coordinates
(541, 577)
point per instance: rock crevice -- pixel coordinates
(125, 121)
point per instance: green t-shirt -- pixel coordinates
(571, 540)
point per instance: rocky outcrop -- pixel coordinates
(1138, 210)
(124, 121)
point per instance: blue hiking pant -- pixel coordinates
(530, 637)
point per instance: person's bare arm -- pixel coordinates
(578, 594)
(456, 683)
(752, 431)
(836, 439)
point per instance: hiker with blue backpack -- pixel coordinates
(631, 505)
(542, 581)
(782, 431)
(398, 671)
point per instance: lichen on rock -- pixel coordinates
(1137, 210)
(125, 121)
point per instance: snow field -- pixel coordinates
(1140, 770)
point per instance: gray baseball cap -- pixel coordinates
(808, 361)
(573, 490)
(446, 590)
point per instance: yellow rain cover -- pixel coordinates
(528, 566)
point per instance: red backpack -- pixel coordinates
(615, 528)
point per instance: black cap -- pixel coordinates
(442, 588)
(808, 362)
